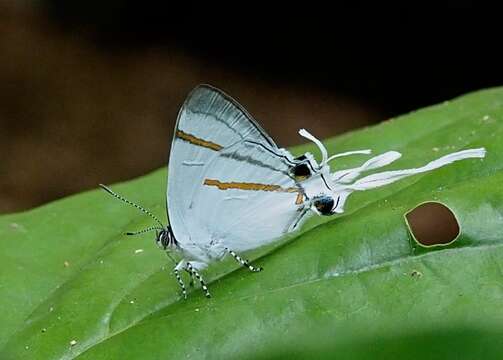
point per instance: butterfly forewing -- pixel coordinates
(208, 122)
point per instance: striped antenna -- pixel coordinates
(142, 209)
(144, 230)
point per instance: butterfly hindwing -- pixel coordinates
(246, 198)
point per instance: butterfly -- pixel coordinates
(232, 189)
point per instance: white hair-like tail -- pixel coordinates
(341, 178)
(324, 153)
(348, 175)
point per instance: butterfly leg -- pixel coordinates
(191, 275)
(180, 282)
(194, 272)
(243, 262)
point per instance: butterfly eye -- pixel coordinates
(160, 239)
(324, 204)
(301, 172)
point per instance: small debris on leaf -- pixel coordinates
(416, 273)
(16, 226)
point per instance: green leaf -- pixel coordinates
(343, 287)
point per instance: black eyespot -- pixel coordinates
(301, 171)
(324, 204)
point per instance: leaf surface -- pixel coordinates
(345, 285)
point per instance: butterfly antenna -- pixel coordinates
(144, 230)
(142, 209)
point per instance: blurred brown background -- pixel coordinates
(89, 91)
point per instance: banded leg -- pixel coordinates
(182, 285)
(193, 271)
(191, 275)
(243, 262)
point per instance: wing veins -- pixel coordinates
(250, 160)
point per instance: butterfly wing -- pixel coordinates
(245, 199)
(208, 122)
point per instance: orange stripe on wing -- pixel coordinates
(249, 186)
(198, 141)
(300, 198)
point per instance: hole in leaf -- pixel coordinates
(432, 224)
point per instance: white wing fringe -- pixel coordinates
(341, 178)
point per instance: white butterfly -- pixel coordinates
(232, 189)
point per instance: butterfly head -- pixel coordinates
(166, 239)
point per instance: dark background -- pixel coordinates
(90, 89)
